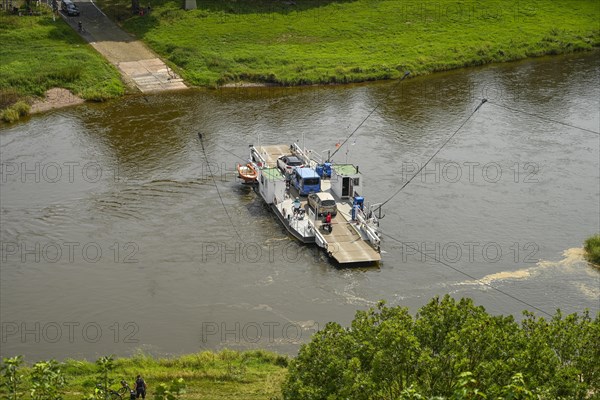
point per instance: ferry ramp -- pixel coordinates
(140, 68)
(272, 152)
(344, 243)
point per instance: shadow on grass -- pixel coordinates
(120, 10)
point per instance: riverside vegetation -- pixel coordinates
(320, 41)
(592, 249)
(39, 53)
(290, 42)
(451, 349)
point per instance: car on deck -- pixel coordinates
(322, 202)
(287, 164)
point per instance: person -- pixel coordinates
(296, 205)
(80, 26)
(328, 222)
(140, 387)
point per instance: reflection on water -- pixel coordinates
(111, 221)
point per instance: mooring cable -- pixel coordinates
(232, 153)
(217, 187)
(367, 117)
(467, 275)
(544, 118)
(483, 101)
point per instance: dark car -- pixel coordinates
(287, 164)
(69, 8)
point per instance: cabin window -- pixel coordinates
(356, 182)
(311, 181)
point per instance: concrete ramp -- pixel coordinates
(139, 66)
(151, 75)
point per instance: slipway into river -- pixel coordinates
(114, 237)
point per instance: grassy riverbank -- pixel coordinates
(592, 249)
(38, 53)
(318, 41)
(207, 375)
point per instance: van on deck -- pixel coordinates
(306, 180)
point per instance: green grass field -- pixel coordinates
(38, 53)
(209, 376)
(318, 41)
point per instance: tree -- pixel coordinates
(102, 391)
(11, 378)
(47, 381)
(452, 349)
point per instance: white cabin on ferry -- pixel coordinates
(345, 180)
(271, 185)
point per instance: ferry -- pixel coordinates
(352, 236)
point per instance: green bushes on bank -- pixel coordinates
(451, 349)
(592, 249)
(208, 375)
(14, 112)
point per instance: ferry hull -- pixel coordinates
(294, 233)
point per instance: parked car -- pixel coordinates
(69, 8)
(323, 202)
(287, 164)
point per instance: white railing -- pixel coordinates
(310, 159)
(369, 231)
(261, 159)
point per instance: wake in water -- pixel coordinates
(573, 261)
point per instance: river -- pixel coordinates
(115, 240)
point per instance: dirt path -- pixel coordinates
(139, 66)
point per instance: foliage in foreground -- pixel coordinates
(592, 249)
(228, 374)
(452, 349)
(307, 42)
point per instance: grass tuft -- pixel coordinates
(10, 115)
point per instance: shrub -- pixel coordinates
(10, 115)
(592, 249)
(451, 348)
(22, 108)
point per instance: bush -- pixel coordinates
(8, 97)
(22, 108)
(452, 349)
(10, 115)
(592, 249)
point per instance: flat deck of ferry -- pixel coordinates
(344, 243)
(272, 152)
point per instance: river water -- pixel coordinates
(115, 240)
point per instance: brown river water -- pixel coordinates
(115, 240)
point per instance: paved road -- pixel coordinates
(139, 66)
